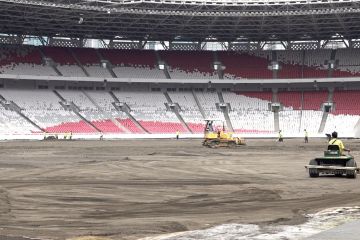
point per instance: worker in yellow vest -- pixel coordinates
(335, 141)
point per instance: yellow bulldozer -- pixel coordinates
(217, 137)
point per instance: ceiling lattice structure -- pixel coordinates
(183, 20)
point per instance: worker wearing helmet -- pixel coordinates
(335, 141)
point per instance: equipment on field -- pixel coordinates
(58, 136)
(218, 137)
(333, 162)
(51, 137)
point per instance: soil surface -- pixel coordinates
(130, 189)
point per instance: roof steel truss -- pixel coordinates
(150, 20)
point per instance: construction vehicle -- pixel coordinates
(333, 162)
(216, 137)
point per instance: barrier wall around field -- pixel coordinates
(6, 137)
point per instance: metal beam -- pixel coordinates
(182, 20)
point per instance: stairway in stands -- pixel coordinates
(12, 106)
(225, 110)
(69, 105)
(325, 113)
(126, 110)
(174, 107)
(108, 116)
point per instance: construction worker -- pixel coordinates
(306, 136)
(335, 141)
(280, 137)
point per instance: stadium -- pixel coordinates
(138, 73)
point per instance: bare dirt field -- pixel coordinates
(130, 189)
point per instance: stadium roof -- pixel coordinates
(183, 20)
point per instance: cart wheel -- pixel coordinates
(313, 172)
(351, 173)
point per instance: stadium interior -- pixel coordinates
(278, 65)
(208, 119)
